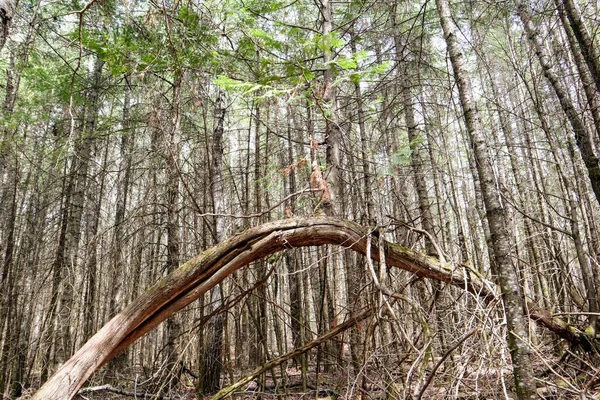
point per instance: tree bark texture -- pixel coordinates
(7, 9)
(210, 371)
(333, 133)
(589, 49)
(201, 273)
(582, 136)
(497, 215)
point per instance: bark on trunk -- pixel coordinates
(333, 134)
(582, 136)
(586, 42)
(7, 9)
(592, 93)
(118, 262)
(194, 278)
(172, 143)
(210, 371)
(496, 214)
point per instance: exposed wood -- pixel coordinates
(201, 273)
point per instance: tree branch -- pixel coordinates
(194, 278)
(229, 390)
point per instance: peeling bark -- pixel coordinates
(203, 272)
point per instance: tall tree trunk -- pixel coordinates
(417, 160)
(172, 150)
(211, 357)
(30, 250)
(582, 137)
(9, 178)
(587, 273)
(260, 300)
(364, 147)
(496, 214)
(355, 277)
(333, 133)
(532, 242)
(589, 49)
(7, 287)
(80, 165)
(57, 267)
(592, 93)
(91, 262)
(118, 257)
(66, 256)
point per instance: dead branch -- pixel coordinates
(229, 390)
(112, 389)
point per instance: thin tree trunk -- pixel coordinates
(8, 197)
(211, 357)
(172, 150)
(587, 273)
(80, 166)
(118, 260)
(333, 133)
(57, 266)
(364, 148)
(582, 137)
(417, 161)
(592, 94)
(586, 42)
(496, 214)
(91, 262)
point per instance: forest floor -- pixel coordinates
(334, 385)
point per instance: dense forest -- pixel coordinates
(299, 199)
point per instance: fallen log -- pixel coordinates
(198, 275)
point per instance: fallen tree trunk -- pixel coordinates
(201, 273)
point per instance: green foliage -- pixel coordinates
(327, 43)
(345, 62)
(398, 158)
(134, 45)
(244, 87)
(44, 80)
(265, 39)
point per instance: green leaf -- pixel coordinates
(329, 42)
(346, 63)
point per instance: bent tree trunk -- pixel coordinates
(201, 273)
